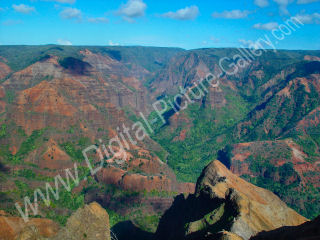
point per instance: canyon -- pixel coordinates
(261, 123)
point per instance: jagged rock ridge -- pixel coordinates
(223, 201)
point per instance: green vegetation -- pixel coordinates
(58, 210)
(10, 96)
(147, 223)
(30, 143)
(209, 132)
(20, 57)
(67, 201)
(31, 175)
(3, 130)
(115, 218)
(74, 152)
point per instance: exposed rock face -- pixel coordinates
(12, 228)
(306, 231)
(85, 95)
(143, 172)
(223, 201)
(186, 71)
(45, 98)
(88, 223)
(54, 157)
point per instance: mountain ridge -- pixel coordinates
(57, 100)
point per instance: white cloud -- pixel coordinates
(71, 13)
(313, 18)
(261, 3)
(283, 4)
(187, 13)
(132, 9)
(306, 1)
(266, 26)
(234, 14)
(98, 20)
(64, 42)
(22, 8)
(112, 43)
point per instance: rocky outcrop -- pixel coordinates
(143, 172)
(257, 208)
(88, 223)
(223, 201)
(14, 228)
(307, 231)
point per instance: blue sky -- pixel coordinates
(186, 24)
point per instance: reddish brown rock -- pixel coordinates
(45, 98)
(55, 158)
(11, 228)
